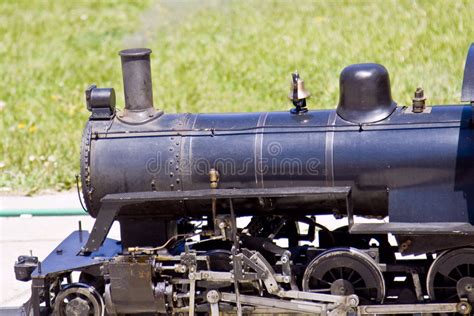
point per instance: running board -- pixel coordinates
(112, 204)
(413, 228)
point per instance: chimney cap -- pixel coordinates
(135, 52)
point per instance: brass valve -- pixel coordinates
(419, 101)
(213, 178)
(298, 94)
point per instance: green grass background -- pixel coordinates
(208, 56)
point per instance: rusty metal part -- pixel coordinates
(405, 245)
(132, 289)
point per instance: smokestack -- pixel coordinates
(137, 79)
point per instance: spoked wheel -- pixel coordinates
(451, 276)
(78, 299)
(345, 271)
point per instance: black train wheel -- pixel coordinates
(451, 276)
(345, 271)
(78, 299)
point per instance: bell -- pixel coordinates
(297, 91)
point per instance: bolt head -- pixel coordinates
(464, 308)
(353, 301)
(419, 92)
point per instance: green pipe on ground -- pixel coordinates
(42, 212)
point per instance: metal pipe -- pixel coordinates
(41, 212)
(136, 73)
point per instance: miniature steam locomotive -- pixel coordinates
(181, 185)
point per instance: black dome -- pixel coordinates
(364, 95)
